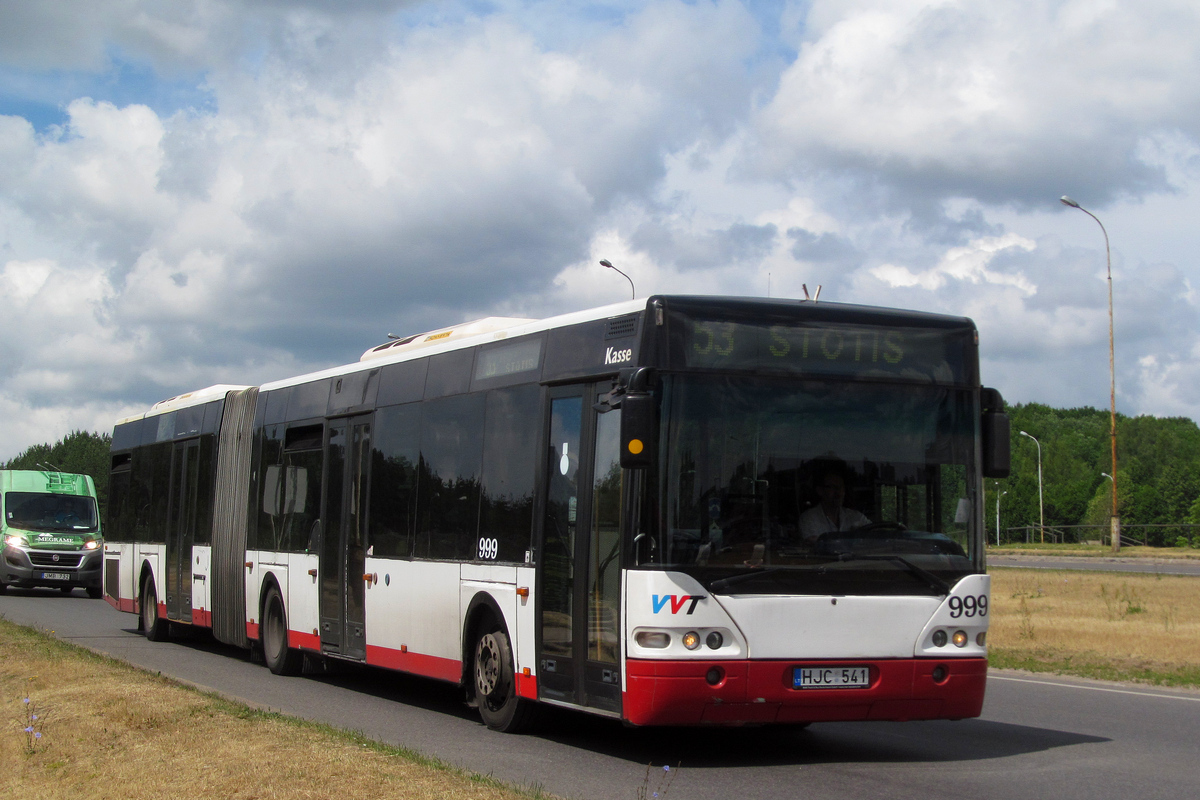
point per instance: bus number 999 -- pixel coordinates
(968, 606)
(488, 549)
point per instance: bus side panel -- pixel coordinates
(524, 635)
(262, 564)
(147, 558)
(120, 576)
(201, 570)
(303, 601)
(498, 581)
(413, 618)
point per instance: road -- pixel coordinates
(1154, 566)
(1038, 737)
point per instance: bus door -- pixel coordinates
(343, 542)
(578, 568)
(181, 529)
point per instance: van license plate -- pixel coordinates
(56, 576)
(831, 677)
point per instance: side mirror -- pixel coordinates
(996, 432)
(639, 430)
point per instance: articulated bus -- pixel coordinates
(673, 511)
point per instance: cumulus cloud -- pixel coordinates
(358, 168)
(325, 201)
(1003, 102)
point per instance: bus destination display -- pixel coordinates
(933, 355)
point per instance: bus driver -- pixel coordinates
(829, 514)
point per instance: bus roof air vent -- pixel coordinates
(463, 331)
(620, 327)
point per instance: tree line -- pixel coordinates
(81, 452)
(1158, 473)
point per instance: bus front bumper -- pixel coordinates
(761, 692)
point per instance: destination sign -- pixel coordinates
(508, 359)
(824, 348)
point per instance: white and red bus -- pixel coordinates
(673, 511)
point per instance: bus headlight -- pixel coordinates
(91, 544)
(714, 640)
(656, 640)
(13, 540)
(691, 640)
(940, 638)
(960, 638)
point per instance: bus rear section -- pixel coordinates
(50, 528)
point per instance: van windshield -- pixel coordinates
(50, 513)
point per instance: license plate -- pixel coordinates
(56, 576)
(831, 677)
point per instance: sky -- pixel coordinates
(196, 192)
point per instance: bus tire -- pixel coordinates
(281, 659)
(154, 626)
(496, 685)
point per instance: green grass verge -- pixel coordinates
(1094, 665)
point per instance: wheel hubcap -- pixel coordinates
(487, 666)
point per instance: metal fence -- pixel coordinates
(1156, 535)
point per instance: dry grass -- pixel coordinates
(1104, 625)
(110, 730)
(1093, 550)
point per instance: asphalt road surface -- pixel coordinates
(1153, 566)
(1038, 737)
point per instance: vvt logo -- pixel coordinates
(677, 602)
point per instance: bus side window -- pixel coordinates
(395, 456)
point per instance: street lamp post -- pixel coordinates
(608, 265)
(1041, 505)
(1112, 372)
(1114, 480)
(999, 494)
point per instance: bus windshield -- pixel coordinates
(817, 487)
(49, 513)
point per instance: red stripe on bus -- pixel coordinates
(304, 640)
(527, 686)
(678, 693)
(446, 669)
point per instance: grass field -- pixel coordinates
(108, 730)
(1113, 626)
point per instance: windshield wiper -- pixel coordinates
(928, 577)
(724, 583)
(933, 581)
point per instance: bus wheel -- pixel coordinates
(281, 659)
(495, 685)
(154, 626)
